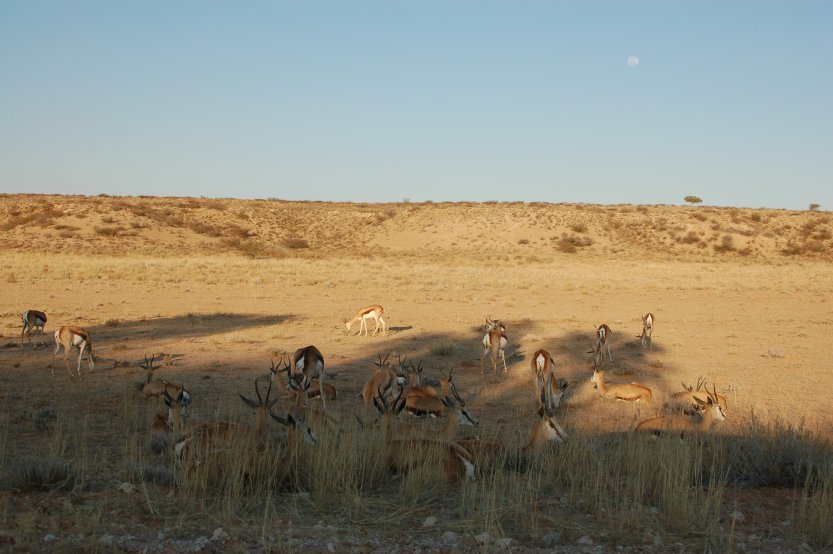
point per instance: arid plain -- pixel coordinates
(220, 288)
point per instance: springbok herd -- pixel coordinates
(396, 388)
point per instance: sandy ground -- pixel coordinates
(757, 327)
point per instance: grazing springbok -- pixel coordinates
(631, 392)
(158, 387)
(310, 362)
(407, 453)
(494, 343)
(603, 334)
(691, 399)
(32, 320)
(368, 312)
(703, 421)
(542, 366)
(647, 331)
(67, 337)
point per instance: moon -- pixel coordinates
(633, 61)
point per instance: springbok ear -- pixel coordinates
(273, 402)
(249, 403)
(563, 383)
(378, 405)
(167, 397)
(400, 405)
(279, 419)
(702, 403)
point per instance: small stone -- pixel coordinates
(505, 542)
(319, 526)
(585, 540)
(450, 537)
(331, 547)
(127, 488)
(430, 521)
(220, 535)
(201, 543)
(804, 547)
(49, 537)
(484, 538)
(107, 540)
(737, 516)
(160, 536)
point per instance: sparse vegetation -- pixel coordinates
(693, 199)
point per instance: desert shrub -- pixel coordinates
(823, 234)
(294, 243)
(444, 350)
(579, 227)
(523, 241)
(107, 231)
(727, 244)
(112, 323)
(693, 199)
(37, 473)
(756, 217)
(690, 238)
(570, 244)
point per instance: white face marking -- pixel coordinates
(539, 361)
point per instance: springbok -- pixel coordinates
(603, 334)
(631, 392)
(384, 379)
(310, 362)
(407, 453)
(494, 343)
(691, 399)
(456, 415)
(158, 387)
(647, 331)
(543, 365)
(67, 337)
(545, 431)
(711, 413)
(286, 392)
(177, 410)
(32, 320)
(374, 311)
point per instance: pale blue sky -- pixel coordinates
(451, 100)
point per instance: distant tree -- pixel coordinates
(693, 199)
(814, 207)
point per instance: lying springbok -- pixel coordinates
(374, 311)
(703, 421)
(32, 320)
(287, 392)
(67, 337)
(177, 410)
(647, 331)
(494, 344)
(407, 453)
(542, 366)
(545, 431)
(691, 399)
(310, 362)
(603, 334)
(456, 415)
(158, 387)
(631, 392)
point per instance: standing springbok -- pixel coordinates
(287, 392)
(494, 343)
(32, 319)
(603, 334)
(374, 311)
(310, 362)
(647, 331)
(67, 337)
(542, 366)
(631, 392)
(711, 413)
